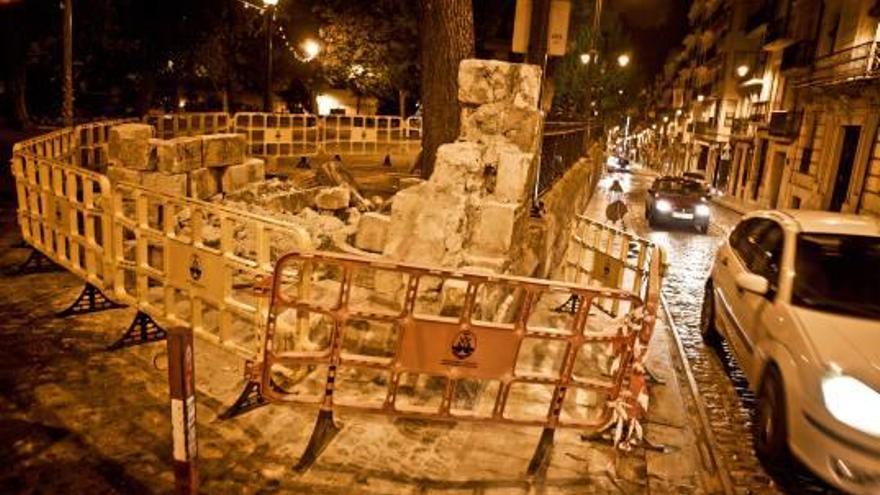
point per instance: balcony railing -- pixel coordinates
(740, 127)
(785, 124)
(705, 128)
(759, 111)
(855, 63)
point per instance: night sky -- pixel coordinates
(656, 26)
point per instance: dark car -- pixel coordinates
(677, 200)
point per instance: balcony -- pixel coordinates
(776, 35)
(785, 124)
(759, 111)
(798, 55)
(759, 18)
(740, 128)
(706, 127)
(856, 63)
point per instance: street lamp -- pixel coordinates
(310, 48)
(623, 59)
(700, 98)
(585, 58)
(269, 26)
(742, 70)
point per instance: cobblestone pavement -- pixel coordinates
(720, 382)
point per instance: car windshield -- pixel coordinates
(694, 176)
(838, 273)
(678, 187)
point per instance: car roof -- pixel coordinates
(826, 222)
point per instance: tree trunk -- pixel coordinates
(446, 38)
(401, 99)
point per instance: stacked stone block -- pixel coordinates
(200, 167)
(473, 212)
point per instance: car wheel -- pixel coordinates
(707, 316)
(771, 431)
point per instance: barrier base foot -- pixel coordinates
(541, 457)
(387, 161)
(303, 163)
(142, 330)
(325, 430)
(569, 306)
(90, 300)
(36, 262)
(251, 398)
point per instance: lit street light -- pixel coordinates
(623, 59)
(585, 58)
(700, 98)
(742, 70)
(311, 49)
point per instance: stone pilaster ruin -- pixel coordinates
(473, 212)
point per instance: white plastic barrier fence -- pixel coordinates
(189, 124)
(178, 260)
(280, 135)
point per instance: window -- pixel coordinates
(758, 243)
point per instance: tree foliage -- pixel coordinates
(369, 47)
(593, 90)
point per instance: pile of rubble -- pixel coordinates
(200, 167)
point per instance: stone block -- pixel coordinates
(459, 167)
(333, 198)
(500, 121)
(372, 232)
(492, 233)
(204, 183)
(491, 81)
(511, 183)
(407, 182)
(452, 296)
(178, 155)
(173, 184)
(427, 226)
(220, 150)
(121, 174)
(236, 177)
(130, 146)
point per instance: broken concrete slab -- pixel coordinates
(372, 232)
(220, 150)
(333, 198)
(178, 155)
(130, 146)
(492, 233)
(511, 182)
(236, 177)
(499, 121)
(427, 226)
(458, 168)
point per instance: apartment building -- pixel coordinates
(783, 112)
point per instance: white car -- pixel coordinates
(796, 294)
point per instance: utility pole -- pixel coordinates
(67, 63)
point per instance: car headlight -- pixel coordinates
(852, 403)
(702, 210)
(663, 205)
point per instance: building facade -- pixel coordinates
(777, 102)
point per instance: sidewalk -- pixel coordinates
(77, 419)
(734, 204)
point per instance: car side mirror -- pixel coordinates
(755, 284)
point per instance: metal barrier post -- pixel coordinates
(181, 380)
